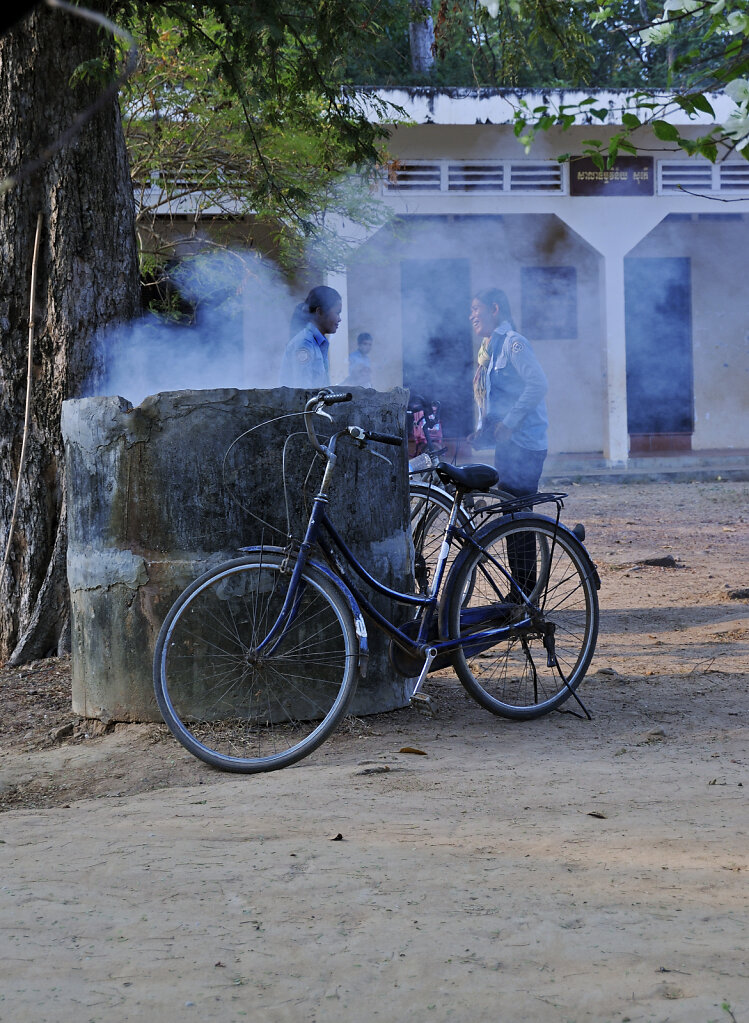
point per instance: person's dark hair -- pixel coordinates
(495, 296)
(364, 336)
(321, 297)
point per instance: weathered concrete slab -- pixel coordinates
(160, 492)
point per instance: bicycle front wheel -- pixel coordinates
(243, 710)
(512, 677)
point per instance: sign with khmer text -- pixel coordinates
(628, 175)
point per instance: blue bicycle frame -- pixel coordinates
(320, 532)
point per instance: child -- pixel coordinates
(359, 366)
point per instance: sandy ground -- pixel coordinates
(558, 870)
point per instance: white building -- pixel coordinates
(632, 285)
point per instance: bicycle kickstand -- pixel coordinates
(418, 699)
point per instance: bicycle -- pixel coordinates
(258, 659)
(431, 505)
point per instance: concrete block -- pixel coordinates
(160, 492)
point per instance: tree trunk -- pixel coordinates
(87, 278)
(421, 36)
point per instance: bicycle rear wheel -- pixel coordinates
(485, 511)
(513, 678)
(240, 710)
(430, 510)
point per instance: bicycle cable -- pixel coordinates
(228, 486)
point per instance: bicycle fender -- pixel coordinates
(561, 528)
(519, 517)
(360, 626)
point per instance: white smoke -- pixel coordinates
(235, 338)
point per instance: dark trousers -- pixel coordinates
(519, 474)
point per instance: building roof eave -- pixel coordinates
(471, 106)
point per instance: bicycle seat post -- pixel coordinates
(439, 569)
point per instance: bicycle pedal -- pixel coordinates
(422, 702)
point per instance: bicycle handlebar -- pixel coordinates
(326, 397)
(381, 438)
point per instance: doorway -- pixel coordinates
(437, 342)
(658, 328)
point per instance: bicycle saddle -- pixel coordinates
(468, 477)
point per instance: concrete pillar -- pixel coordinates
(613, 226)
(615, 436)
(161, 492)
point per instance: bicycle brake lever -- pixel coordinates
(360, 439)
(319, 411)
(378, 455)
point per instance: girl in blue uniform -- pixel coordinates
(509, 388)
(305, 361)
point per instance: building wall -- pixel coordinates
(595, 234)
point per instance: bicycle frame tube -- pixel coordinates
(513, 582)
(317, 521)
(428, 603)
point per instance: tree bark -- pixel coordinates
(87, 280)
(421, 36)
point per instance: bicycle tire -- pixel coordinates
(243, 714)
(430, 509)
(512, 677)
(483, 517)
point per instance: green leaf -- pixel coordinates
(665, 132)
(685, 103)
(631, 121)
(708, 149)
(734, 48)
(702, 103)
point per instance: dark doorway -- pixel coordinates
(658, 325)
(437, 343)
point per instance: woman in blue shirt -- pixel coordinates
(305, 361)
(510, 388)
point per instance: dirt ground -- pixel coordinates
(562, 869)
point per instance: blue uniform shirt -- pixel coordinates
(305, 361)
(516, 386)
